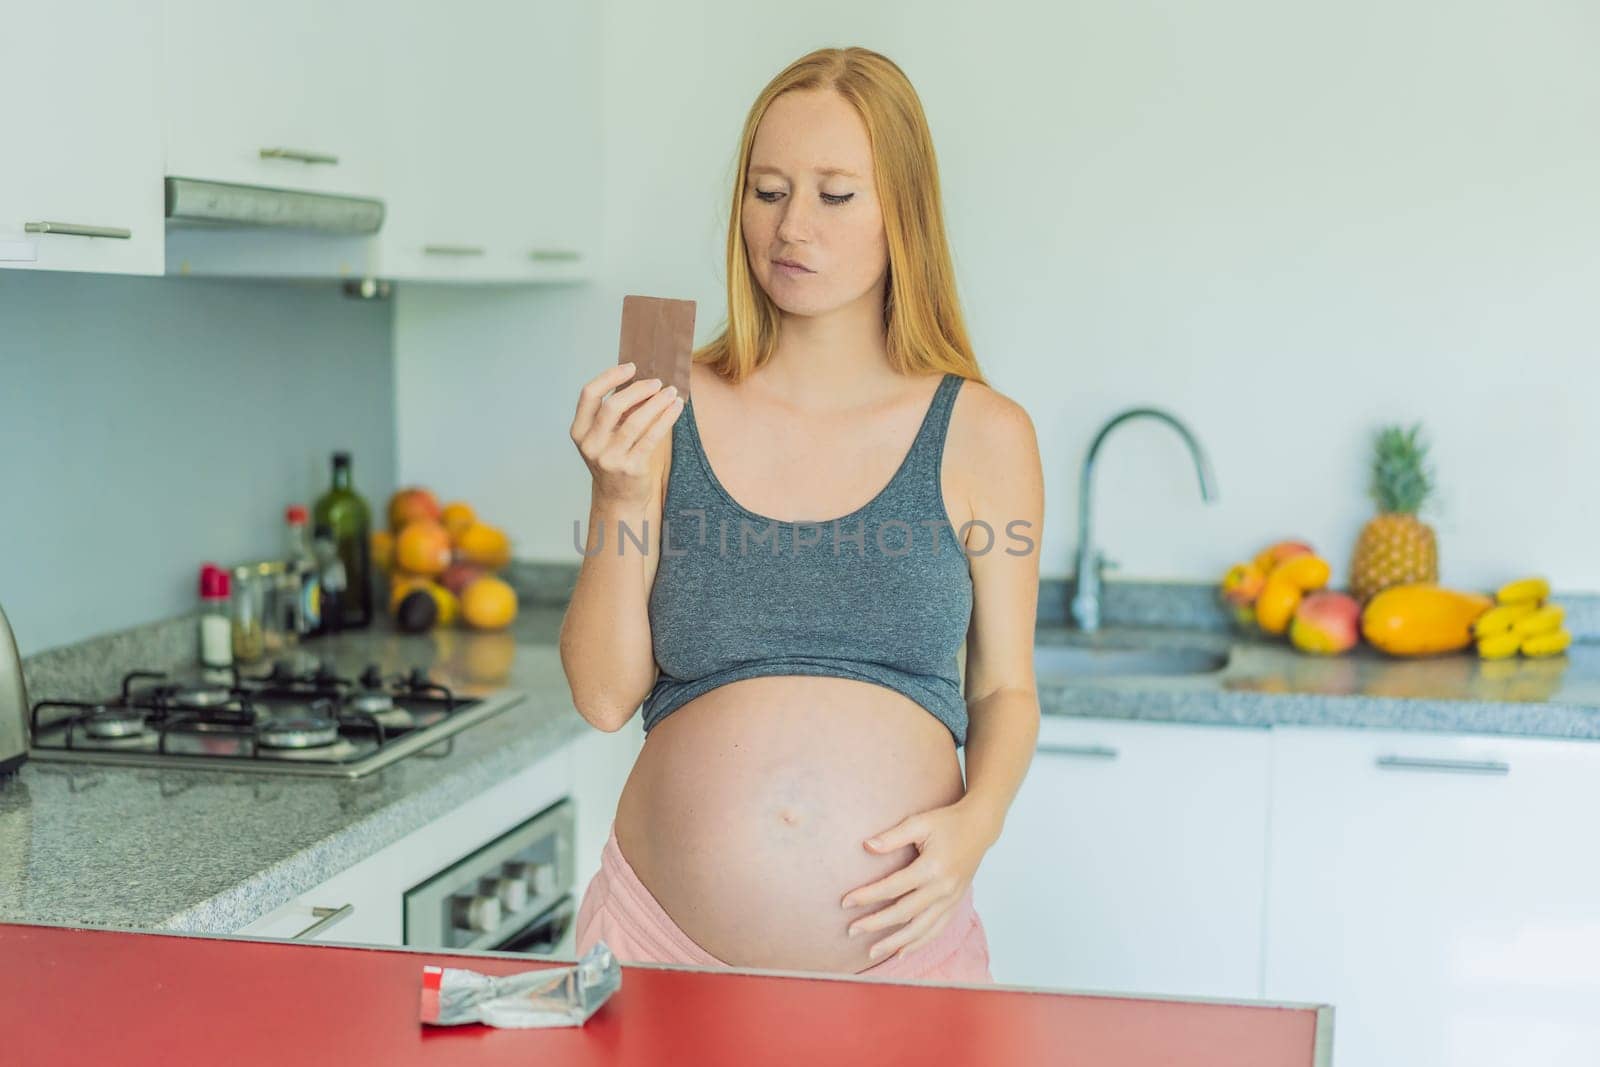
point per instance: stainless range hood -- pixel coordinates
(192, 202)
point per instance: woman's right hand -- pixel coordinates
(618, 450)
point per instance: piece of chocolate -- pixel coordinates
(658, 338)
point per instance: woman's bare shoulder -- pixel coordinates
(987, 425)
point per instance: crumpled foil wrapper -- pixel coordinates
(553, 996)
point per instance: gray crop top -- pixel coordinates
(882, 595)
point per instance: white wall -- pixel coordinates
(148, 424)
(1287, 222)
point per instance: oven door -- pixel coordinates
(553, 933)
(517, 889)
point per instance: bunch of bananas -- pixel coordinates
(1524, 621)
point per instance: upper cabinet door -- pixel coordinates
(80, 188)
(282, 94)
(493, 137)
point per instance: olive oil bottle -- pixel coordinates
(346, 514)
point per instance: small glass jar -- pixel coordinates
(254, 595)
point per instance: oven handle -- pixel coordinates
(326, 917)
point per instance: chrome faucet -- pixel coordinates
(1086, 594)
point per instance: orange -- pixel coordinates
(456, 518)
(423, 547)
(489, 604)
(484, 545)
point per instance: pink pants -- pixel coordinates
(618, 909)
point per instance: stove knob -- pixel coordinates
(511, 892)
(372, 677)
(479, 913)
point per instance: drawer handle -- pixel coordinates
(1089, 751)
(1458, 766)
(298, 154)
(326, 917)
(553, 253)
(73, 229)
(452, 250)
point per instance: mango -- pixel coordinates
(1276, 605)
(1243, 583)
(1305, 571)
(1274, 554)
(1326, 623)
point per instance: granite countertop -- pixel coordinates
(203, 851)
(1267, 683)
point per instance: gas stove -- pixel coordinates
(287, 720)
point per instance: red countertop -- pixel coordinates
(70, 996)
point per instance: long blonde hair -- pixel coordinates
(922, 313)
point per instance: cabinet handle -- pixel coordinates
(1090, 751)
(452, 250)
(326, 917)
(553, 253)
(298, 154)
(73, 229)
(1459, 766)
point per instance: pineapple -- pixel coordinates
(1395, 547)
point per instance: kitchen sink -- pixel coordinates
(1072, 661)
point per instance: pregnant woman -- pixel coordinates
(838, 579)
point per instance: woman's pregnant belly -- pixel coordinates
(747, 808)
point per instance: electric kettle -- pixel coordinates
(13, 702)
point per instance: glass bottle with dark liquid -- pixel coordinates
(343, 511)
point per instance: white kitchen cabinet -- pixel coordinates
(375, 887)
(1132, 860)
(493, 141)
(1441, 891)
(79, 92)
(297, 78)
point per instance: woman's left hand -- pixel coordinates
(950, 841)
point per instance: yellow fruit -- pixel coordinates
(1499, 645)
(423, 547)
(1535, 589)
(1421, 619)
(484, 545)
(1275, 606)
(489, 604)
(449, 605)
(1305, 572)
(1500, 619)
(1550, 643)
(1546, 620)
(456, 518)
